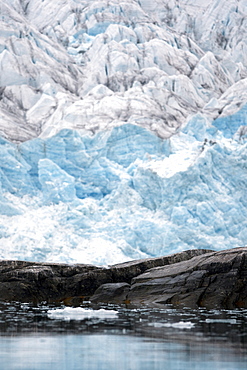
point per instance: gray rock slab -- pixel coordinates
(196, 278)
(212, 280)
(111, 293)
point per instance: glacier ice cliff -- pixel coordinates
(123, 193)
(122, 128)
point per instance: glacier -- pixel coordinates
(123, 193)
(99, 64)
(122, 128)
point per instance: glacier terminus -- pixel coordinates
(122, 128)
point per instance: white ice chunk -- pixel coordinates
(79, 313)
(176, 325)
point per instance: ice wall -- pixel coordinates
(123, 193)
(108, 147)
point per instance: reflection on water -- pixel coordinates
(106, 352)
(38, 338)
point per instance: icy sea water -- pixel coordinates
(118, 338)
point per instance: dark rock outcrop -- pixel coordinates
(213, 280)
(196, 278)
(128, 270)
(113, 292)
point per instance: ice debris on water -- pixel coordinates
(176, 325)
(79, 313)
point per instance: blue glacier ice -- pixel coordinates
(229, 125)
(123, 193)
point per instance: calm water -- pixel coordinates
(47, 337)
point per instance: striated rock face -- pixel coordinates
(196, 278)
(213, 280)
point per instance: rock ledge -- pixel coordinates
(194, 278)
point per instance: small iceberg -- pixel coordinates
(79, 313)
(176, 325)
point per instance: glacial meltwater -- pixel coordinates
(47, 337)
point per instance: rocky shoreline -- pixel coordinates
(194, 278)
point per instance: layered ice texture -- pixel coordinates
(123, 128)
(95, 65)
(123, 194)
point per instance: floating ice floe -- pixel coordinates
(79, 313)
(175, 325)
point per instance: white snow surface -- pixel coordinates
(122, 128)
